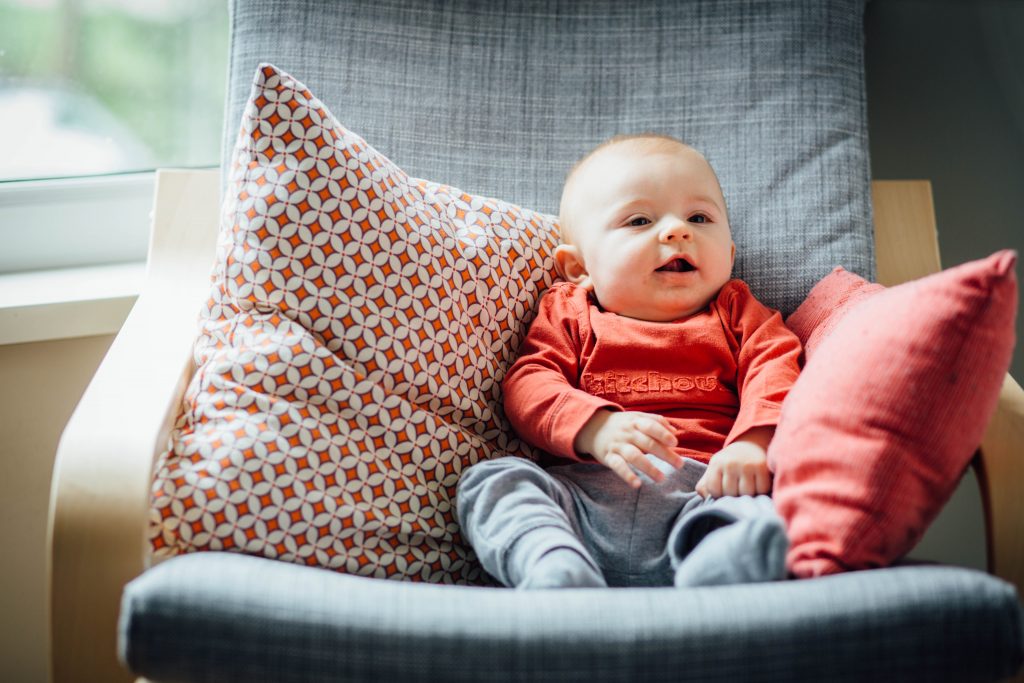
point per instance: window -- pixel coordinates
(94, 95)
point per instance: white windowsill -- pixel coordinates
(67, 303)
(74, 222)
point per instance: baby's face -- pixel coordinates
(648, 231)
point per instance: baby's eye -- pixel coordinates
(699, 218)
(638, 221)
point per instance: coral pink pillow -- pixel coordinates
(825, 306)
(895, 397)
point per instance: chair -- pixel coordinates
(224, 616)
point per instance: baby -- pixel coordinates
(653, 381)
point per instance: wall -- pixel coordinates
(946, 103)
(41, 383)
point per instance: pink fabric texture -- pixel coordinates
(825, 306)
(897, 391)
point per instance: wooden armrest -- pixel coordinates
(906, 241)
(99, 498)
(1001, 477)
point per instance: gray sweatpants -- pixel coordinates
(513, 512)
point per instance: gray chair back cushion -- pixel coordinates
(500, 98)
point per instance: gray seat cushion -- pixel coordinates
(227, 617)
(500, 98)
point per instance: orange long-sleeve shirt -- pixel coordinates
(714, 375)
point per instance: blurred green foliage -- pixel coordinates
(160, 68)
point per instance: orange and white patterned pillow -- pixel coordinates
(350, 356)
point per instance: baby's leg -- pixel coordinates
(733, 539)
(519, 521)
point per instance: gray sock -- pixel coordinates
(562, 568)
(747, 551)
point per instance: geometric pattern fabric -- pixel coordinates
(350, 355)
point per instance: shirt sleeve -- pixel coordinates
(541, 396)
(767, 359)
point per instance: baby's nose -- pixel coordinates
(676, 229)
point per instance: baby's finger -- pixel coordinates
(730, 483)
(619, 466)
(764, 481)
(658, 441)
(710, 485)
(650, 447)
(658, 428)
(661, 419)
(637, 459)
(747, 484)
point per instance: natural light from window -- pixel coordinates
(95, 95)
(110, 86)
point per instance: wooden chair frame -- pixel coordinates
(99, 503)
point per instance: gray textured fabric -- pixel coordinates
(227, 617)
(500, 98)
(513, 513)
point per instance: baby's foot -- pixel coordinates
(562, 568)
(747, 551)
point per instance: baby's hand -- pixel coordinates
(739, 469)
(619, 440)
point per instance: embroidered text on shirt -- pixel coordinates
(620, 383)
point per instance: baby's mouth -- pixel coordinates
(677, 265)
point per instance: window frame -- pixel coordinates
(75, 222)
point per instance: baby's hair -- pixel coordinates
(656, 140)
(653, 141)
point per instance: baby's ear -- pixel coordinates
(569, 263)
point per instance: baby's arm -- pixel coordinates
(621, 441)
(767, 366)
(541, 396)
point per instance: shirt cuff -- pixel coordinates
(761, 414)
(573, 411)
